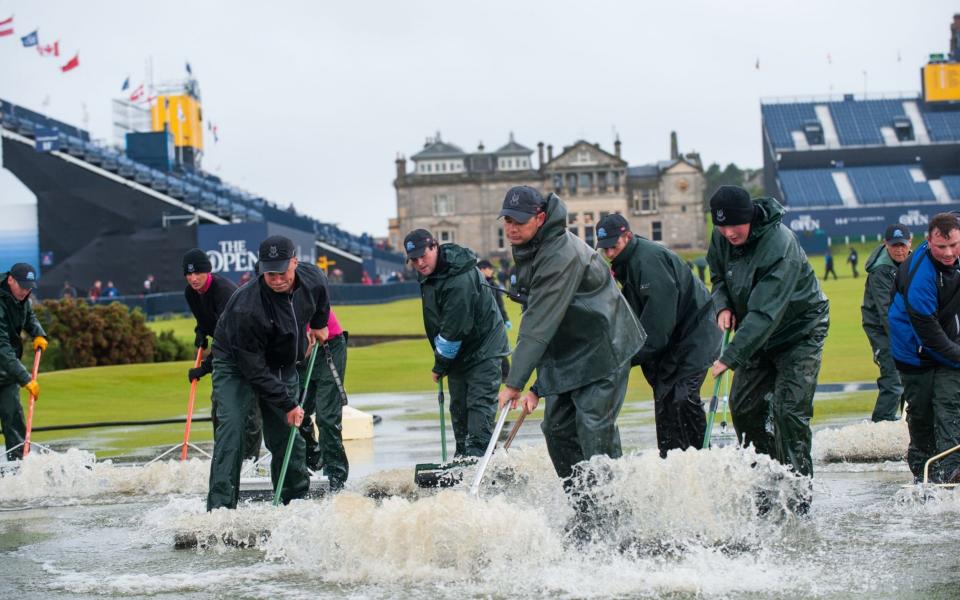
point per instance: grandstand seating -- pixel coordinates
(858, 122)
(815, 188)
(952, 183)
(781, 119)
(942, 126)
(197, 188)
(810, 187)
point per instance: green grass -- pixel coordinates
(140, 392)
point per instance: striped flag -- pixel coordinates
(6, 27)
(137, 93)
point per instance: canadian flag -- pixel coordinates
(6, 27)
(49, 49)
(137, 93)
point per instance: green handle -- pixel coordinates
(713, 401)
(443, 423)
(293, 430)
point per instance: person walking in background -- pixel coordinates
(95, 291)
(852, 258)
(881, 268)
(828, 266)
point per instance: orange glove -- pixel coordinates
(40, 343)
(34, 388)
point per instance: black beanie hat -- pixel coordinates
(731, 205)
(196, 261)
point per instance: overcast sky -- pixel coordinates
(313, 100)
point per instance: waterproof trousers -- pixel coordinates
(771, 401)
(933, 418)
(473, 405)
(582, 423)
(889, 385)
(324, 403)
(234, 395)
(11, 419)
(678, 410)
(252, 429)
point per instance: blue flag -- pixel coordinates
(189, 70)
(31, 39)
(126, 84)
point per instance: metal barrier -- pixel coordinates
(167, 303)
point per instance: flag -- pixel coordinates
(216, 138)
(126, 84)
(73, 63)
(829, 59)
(189, 70)
(898, 55)
(6, 27)
(31, 39)
(757, 66)
(50, 49)
(137, 94)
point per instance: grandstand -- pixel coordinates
(105, 213)
(847, 166)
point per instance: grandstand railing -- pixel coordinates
(816, 99)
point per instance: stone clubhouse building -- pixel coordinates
(457, 195)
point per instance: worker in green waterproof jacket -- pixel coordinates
(466, 332)
(765, 289)
(16, 315)
(881, 268)
(676, 312)
(577, 331)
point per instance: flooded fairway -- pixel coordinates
(684, 527)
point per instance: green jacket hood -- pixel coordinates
(452, 261)
(879, 258)
(769, 215)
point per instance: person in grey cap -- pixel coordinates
(765, 289)
(259, 340)
(207, 295)
(579, 334)
(881, 268)
(17, 315)
(466, 333)
(676, 312)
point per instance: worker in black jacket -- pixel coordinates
(207, 295)
(259, 340)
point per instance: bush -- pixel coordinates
(168, 348)
(96, 335)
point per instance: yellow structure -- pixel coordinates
(941, 82)
(180, 114)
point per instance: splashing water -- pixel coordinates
(862, 442)
(76, 474)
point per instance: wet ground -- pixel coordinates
(684, 527)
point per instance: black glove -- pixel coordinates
(200, 342)
(197, 373)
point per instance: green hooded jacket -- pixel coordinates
(577, 328)
(458, 308)
(769, 285)
(878, 292)
(674, 309)
(15, 316)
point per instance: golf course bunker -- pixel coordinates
(862, 442)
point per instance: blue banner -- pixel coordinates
(47, 139)
(868, 221)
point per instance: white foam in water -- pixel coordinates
(77, 474)
(862, 442)
(511, 539)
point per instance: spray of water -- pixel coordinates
(76, 474)
(862, 442)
